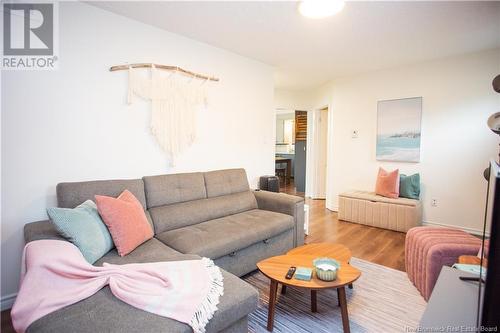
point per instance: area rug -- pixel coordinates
(382, 300)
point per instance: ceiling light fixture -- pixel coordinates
(320, 8)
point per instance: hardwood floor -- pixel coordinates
(6, 325)
(384, 247)
(290, 189)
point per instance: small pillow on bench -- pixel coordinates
(409, 186)
(387, 183)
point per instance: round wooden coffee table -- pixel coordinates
(275, 268)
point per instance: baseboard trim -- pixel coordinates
(473, 231)
(469, 230)
(333, 209)
(7, 301)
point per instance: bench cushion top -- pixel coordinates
(371, 196)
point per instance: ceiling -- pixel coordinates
(365, 36)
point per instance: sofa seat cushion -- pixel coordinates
(103, 312)
(150, 251)
(219, 237)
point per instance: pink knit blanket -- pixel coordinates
(55, 275)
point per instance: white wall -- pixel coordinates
(292, 100)
(73, 124)
(456, 143)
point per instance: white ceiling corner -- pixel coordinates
(365, 36)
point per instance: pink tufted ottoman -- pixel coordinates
(427, 249)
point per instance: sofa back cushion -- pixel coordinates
(70, 195)
(170, 217)
(180, 200)
(175, 188)
(224, 182)
(172, 201)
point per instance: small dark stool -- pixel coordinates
(281, 171)
(269, 183)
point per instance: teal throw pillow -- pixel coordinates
(409, 186)
(83, 227)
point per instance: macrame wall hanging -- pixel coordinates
(174, 102)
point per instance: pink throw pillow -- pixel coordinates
(125, 218)
(387, 183)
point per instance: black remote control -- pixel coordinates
(290, 273)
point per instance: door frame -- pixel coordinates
(312, 166)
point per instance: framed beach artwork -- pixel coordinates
(398, 129)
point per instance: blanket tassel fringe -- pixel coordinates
(208, 307)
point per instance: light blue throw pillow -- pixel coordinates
(409, 186)
(83, 227)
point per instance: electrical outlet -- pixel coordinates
(434, 202)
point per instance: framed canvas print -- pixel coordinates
(398, 129)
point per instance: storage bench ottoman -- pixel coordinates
(367, 208)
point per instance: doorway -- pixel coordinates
(285, 148)
(291, 150)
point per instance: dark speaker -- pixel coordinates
(496, 83)
(269, 183)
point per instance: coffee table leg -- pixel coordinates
(314, 303)
(350, 284)
(283, 289)
(343, 309)
(272, 303)
(338, 296)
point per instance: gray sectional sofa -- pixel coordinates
(212, 214)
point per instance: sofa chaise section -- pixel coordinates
(103, 312)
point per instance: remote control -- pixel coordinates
(290, 273)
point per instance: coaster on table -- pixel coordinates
(303, 273)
